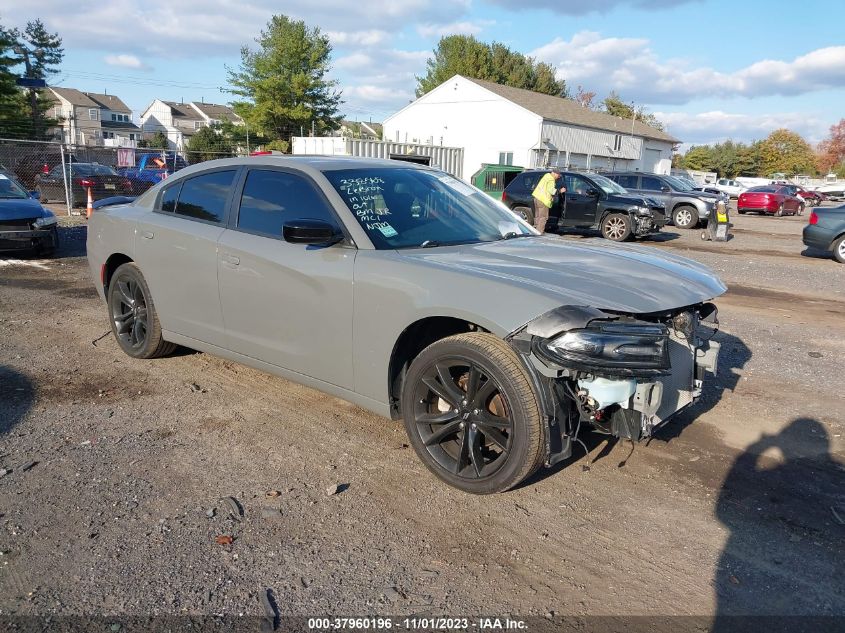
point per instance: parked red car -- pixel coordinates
(810, 198)
(773, 199)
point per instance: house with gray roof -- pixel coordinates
(94, 119)
(180, 121)
(504, 125)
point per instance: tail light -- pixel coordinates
(504, 196)
(45, 169)
(85, 182)
(814, 219)
(127, 184)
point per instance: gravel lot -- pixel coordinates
(112, 472)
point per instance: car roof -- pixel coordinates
(319, 163)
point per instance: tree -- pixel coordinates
(209, 143)
(158, 141)
(465, 55)
(698, 158)
(283, 84)
(40, 52)
(831, 152)
(614, 105)
(786, 152)
(11, 101)
(585, 98)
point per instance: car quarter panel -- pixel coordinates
(110, 231)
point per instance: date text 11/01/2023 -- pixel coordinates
(416, 624)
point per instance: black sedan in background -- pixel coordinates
(102, 180)
(24, 224)
(826, 231)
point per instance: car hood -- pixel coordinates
(632, 200)
(704, 195)
(599, 274)
(21, 209)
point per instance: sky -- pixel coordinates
(710, 69)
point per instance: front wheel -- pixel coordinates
(133, 317)
(472, 415)
(685, 218)
(801, 209)
(525, 213)
(779, 212)
(616, 227)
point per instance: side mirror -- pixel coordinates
(665, 189)
(307, 231)
(593, 193)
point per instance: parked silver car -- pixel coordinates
(414, 295)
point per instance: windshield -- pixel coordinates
(408, 208)
(678, 184)
(11, 189)
(607, 185)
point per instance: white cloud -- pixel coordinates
(454, 28)
(717, 126)
(384, 79)
(629, 66)
(580, 7)
(126, 61)
(372, 37)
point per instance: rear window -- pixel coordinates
(202, 197)
(650, 184)
(88, 169)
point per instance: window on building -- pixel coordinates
(204, 197)
(271, 198)
(108, 134)
(506, 158)
(93, 114)
(617, 143)
(199, 124)
(131, 137)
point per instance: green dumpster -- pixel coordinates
(492, 179)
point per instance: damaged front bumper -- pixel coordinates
(625, 375)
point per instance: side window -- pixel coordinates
(270, 198)
(626, 181)
(530, 181)
(576, 185)
(169, 197)
(204, 197)
(651, 184)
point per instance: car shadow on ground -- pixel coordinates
(18, 397)
(815, 253)
(591, 233)
(783, 505)
(734, 355)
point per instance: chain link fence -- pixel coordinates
(63, 176)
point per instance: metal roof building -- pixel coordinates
(501, 124)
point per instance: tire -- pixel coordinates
(132, 315)
(839, 249)
(616, 227)
(51, 251)
(685, 217)
(741, 211)
(779, 212)
(453, 434)
(525, 213)
(801, 209)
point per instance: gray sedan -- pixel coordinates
(413, 295)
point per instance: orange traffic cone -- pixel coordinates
(90, 208)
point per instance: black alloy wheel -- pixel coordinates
(472, 415)
(134, 321)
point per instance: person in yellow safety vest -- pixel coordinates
(544, 194)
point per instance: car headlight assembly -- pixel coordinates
(612, 348)
(643, 211)
(41, 223)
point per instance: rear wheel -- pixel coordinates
(525, 213)
(616, 227)
(685, 217)
(472, 415)
(133, 317)
(839, 250)
(801, 209)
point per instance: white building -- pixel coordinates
(90, 118)
(501, 124)
(180, 121)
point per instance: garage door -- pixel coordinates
(578, 161)
(651, 160)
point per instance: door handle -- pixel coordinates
(230, 259)
(147, 235)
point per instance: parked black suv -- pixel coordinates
(685, 206)
(591, 201)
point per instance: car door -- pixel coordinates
(656, 189)
(176, 249)
(286, 304)
(579, 208)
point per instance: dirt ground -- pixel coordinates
(112, 472)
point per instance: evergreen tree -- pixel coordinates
(283, 84)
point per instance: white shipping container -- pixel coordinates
(449, 159)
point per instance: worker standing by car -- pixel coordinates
(544, 194)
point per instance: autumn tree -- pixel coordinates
(585, 98)
(831, 152)
(784, 151)
(465, 55)
(283, 85)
